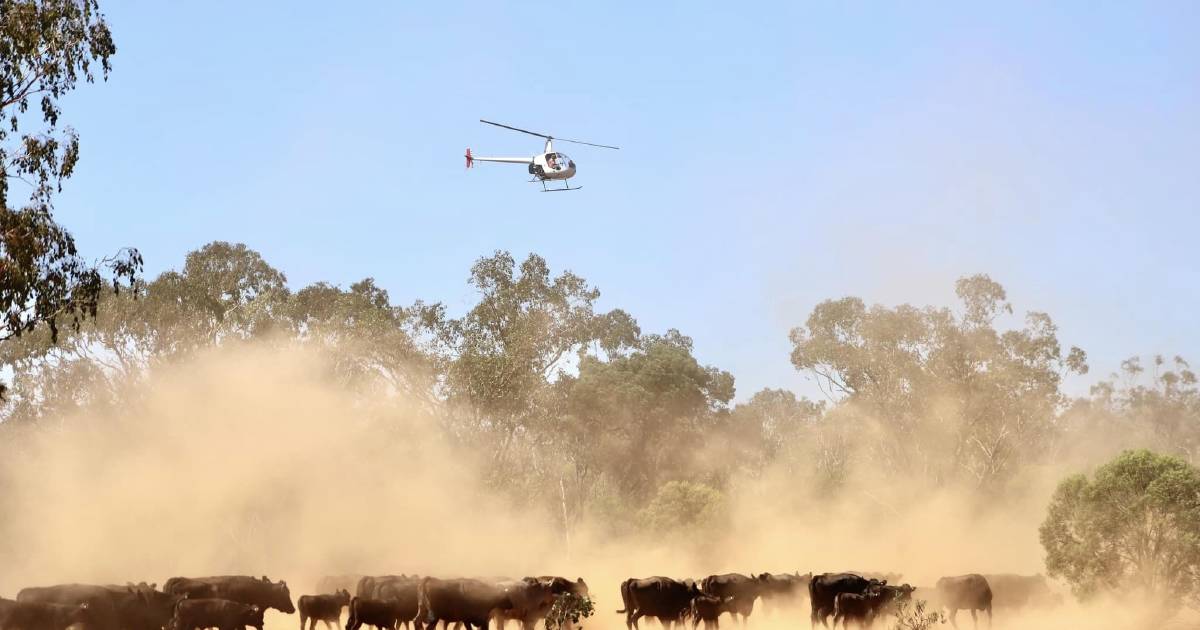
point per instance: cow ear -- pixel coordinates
(154, 586)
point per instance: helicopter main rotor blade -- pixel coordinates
(540, 135)
(590, 144)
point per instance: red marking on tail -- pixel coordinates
(470, 160)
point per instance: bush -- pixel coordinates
(913, 616)
(1133, 527)
(683, 505)
(567, 610)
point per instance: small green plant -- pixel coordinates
(914, 616)
(567, 610)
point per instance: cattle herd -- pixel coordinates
(235, 602)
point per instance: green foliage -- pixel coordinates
(580, 413)
(1135, 526)
(523, 328)
(950, 394)
(567, 610)
(915, 616)
(684, 506)
(46, 47)
(225, 293)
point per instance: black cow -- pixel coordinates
(708, 608)
(376, 586)
(866, 607)
(465, 600)
(742, 588)
(401, 589)
(823, 590)
(970, 592)
(18, 615)
(784, 590)
(326, 608)
(237, 588)
(530, 601)
(893, 596)
(381, 613)
(660, 597)
(199, 614)
(142, 606)
(559, 585)
(860, 608)
(112, 607)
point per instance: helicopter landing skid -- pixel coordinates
(566, 188)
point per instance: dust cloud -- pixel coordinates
(247, 460)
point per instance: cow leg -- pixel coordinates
(631, 620)
(974, 619)
(953, 612)
(989, 612)
(823, 614)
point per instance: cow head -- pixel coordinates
(343, 597)
(281, 598)
(82, 614)
(580, 588)
(253, 616)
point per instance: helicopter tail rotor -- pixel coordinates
(470, 160)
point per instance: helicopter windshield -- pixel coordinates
(557, 161)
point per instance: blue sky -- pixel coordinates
(772, 155)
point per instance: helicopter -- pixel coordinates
(546, 166)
